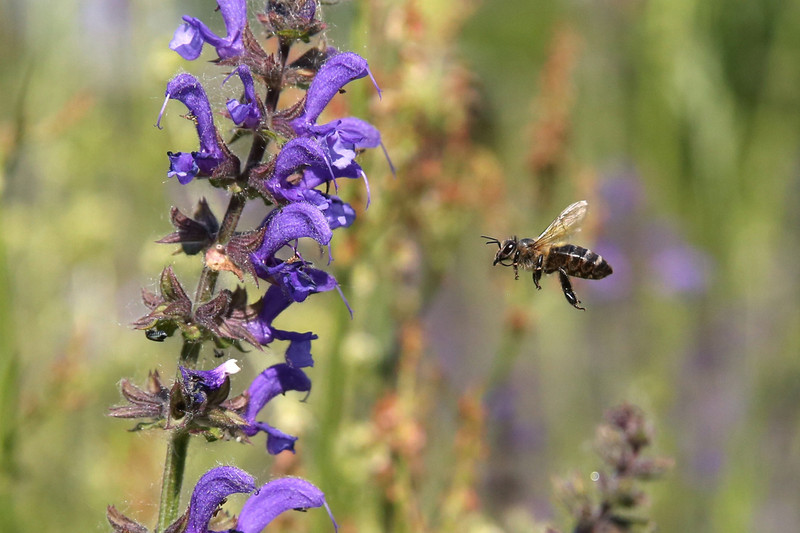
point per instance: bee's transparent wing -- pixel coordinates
(567, 223)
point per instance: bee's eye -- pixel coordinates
(509, 249)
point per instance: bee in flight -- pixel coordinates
(548, 253)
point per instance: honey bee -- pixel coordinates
(548, 253)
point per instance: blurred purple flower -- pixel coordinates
(246, 114)
(260, 509)
(681, 269)
(275, 380)
(187, 89)
(192, 34)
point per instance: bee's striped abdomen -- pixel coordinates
(577, 261)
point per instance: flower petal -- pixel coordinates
(276, 497)
(273, 381)
(337, 72)
(187, 89)
(246, 114)
(210, 491)
(294, 221)
(187, 41)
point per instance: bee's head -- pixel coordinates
(506, 249)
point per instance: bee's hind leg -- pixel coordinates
(566, 286)
(537, 272)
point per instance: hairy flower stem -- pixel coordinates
(172, 479)
(177, 446)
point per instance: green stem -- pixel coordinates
(175, 462)
(173, 479)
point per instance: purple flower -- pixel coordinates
(211, 490)
(340, 140)
(199, 384)
(187, 89)
(289, 223)
(246, 114)
(296, 155)
(275, 301)
(189, 37)
(339, 214)
(681, 269)
(270, 500)
(277, 496)
(337, 72)
(275, 380)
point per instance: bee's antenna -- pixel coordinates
(491, 240)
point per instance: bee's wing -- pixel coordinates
(568, 222)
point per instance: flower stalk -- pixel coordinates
(294, 185)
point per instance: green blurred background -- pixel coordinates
(456, 394)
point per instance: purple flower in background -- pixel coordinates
(246, 114)
(260, 509)
(275, 380)
(192, 34)
(187, 89)
(681, 269)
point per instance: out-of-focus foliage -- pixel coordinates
(456, 394)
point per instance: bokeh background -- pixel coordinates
(456, 394)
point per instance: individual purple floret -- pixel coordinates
(187, 89)
(340, 140)
(277, 496)
(200, 384)
(192, 34)
(275, 380)
(266, 503)
(247, 114)
(211, 491)
(275, 301)
(287, 224)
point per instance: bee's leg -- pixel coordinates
(516, 265)
(566, 286)
(516, 271)
(537, 271)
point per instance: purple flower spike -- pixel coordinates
(187, 89)
(211, 490)
(247, 114)
(294, 221)
(276, 497)
(189, 37)
(337, 72)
